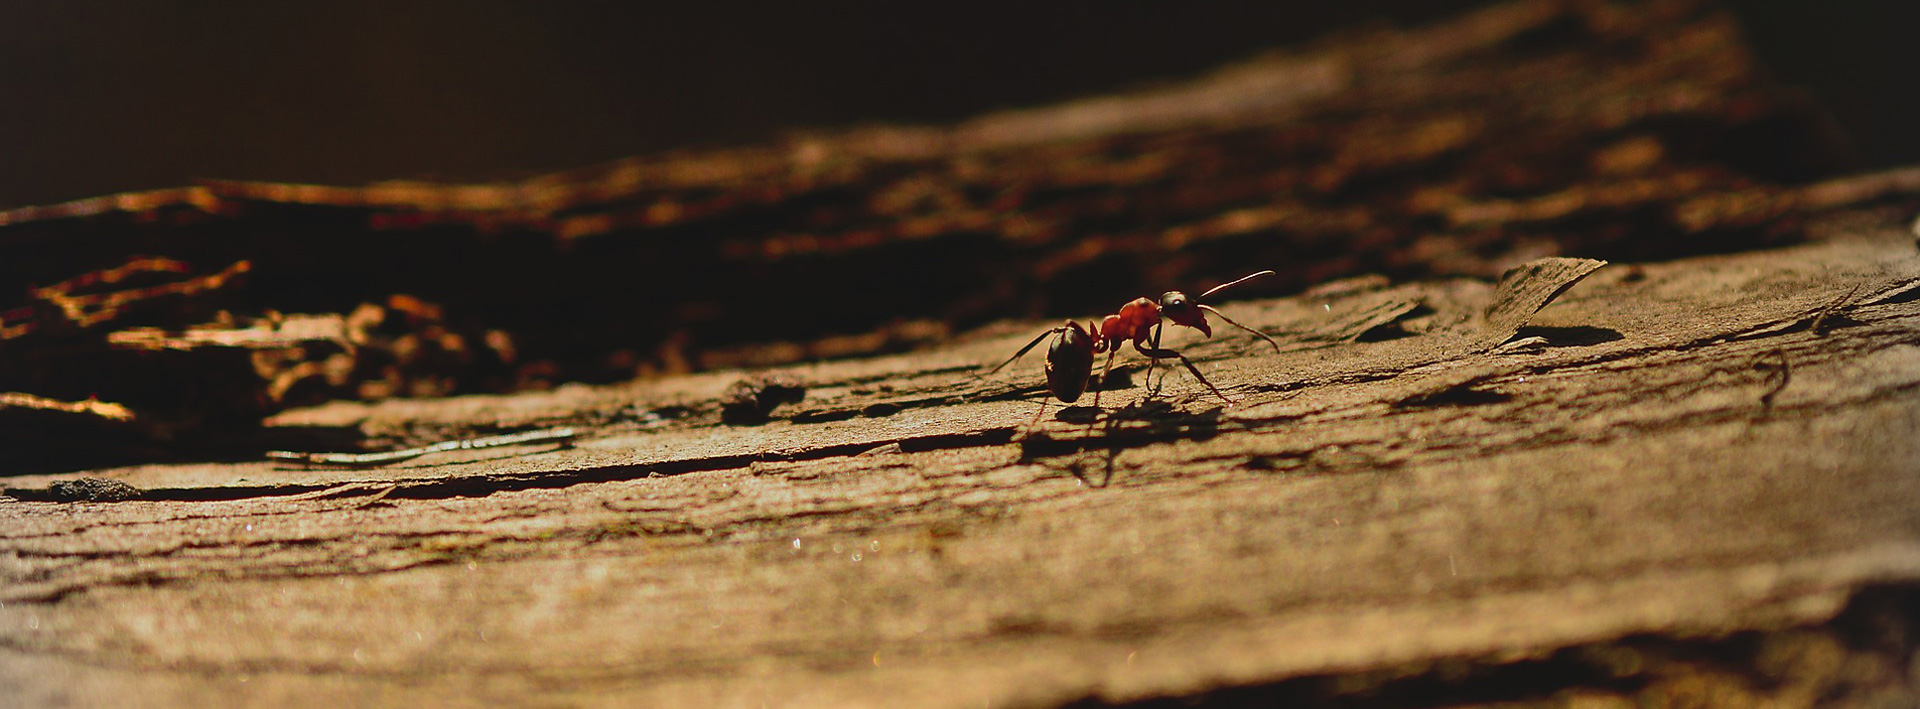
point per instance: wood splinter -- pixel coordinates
(371, 460)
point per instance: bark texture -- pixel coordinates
(1671, 481)
(1632, 417)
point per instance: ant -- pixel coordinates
(1070, 357)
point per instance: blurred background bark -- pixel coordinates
(114, 95)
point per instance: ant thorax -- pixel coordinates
(1133, 322)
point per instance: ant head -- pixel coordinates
(1182, 310)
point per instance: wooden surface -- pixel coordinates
(1700, 447)
(1486, 467)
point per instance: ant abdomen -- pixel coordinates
(1070, 362)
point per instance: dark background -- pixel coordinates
(120, 95)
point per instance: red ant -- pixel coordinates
(1070, 357)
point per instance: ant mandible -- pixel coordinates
(1070, 357)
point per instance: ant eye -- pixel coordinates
(1173, 300)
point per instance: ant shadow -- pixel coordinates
(1150, 420)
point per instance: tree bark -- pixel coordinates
(1712, 446)
(1488, 477)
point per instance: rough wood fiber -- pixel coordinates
(1690, 477)
(1698, 448)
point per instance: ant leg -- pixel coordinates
(1024, 350)
(1157, 353)
(1103, 375)
(1223, 316)
(1162, 384)
(1153, 391)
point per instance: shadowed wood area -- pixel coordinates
(1637, 430)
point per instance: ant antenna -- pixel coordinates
(1223, 316)
(1224, 286)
